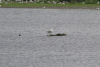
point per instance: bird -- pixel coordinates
(50, 31)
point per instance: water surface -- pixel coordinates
(80, 48)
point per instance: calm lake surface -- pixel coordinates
(80, 48)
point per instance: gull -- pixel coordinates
(50, 31)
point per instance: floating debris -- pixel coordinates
(59, 34)
(19, 34)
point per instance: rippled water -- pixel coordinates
(80, 48)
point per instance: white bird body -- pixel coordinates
(50, 30)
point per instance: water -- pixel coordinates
(80, 48)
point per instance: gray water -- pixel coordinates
(80, 48)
